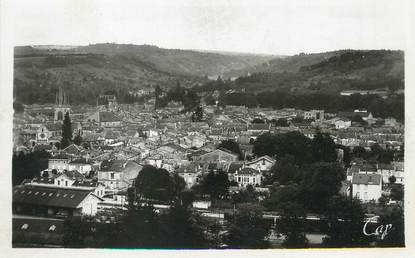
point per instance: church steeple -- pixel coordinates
(61, 97)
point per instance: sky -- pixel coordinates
(269, 27)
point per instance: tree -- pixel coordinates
(292, 225)
(248, 229)
(359, 152)
(321, 181)
(396, 236)
(181, 228)
(345, 219)
(216, 184)
(78, 232)
(292, 143)
(27, 166)
(323, 148)
(197, 115)
(247, 195)
(285, 170)
(283, 194)
(154, 183)
(397, 192)
(66, 131)
(232, 146)
(392, 179)
(178, 184)
(77, 139)
(138, 227)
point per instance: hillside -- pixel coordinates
(86, 71)
(330, 71)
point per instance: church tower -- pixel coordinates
(62, 105)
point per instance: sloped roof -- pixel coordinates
(86, 183)
(108, 117)
(248, 171)
(79, 161)
(42, 180)
(49, 196)
(54, 127)
(261, 158)
(366, 179)
(72, 149)
(60, 156)
(112, 165)
(235, 166)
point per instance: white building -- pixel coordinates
(367, 187)
(317, 115)
(248, 176)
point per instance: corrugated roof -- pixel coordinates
(49, 196)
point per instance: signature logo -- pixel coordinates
(381, 231)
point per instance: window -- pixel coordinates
(66, 183)
(112, 175)
(358, 194)
(59, 182)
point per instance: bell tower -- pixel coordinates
(61, 105)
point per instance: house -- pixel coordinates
(96, 187)
(59, 162)
(67, 178)
(81, 165)
(118, 175)
(258, 128)
(367, 187)
(317, 115)
(263, 163)
(388, 170)
(343, 123)
(190, 173)
(218, 155)
(73, 150)
(52, 201)
(248, 176)
(104, 119)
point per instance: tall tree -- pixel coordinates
(154, 183)
(396, 236)
(182, 228)
(285, 170)
(323, 148)
(66, 131)
(321, 181)
(292, 225)
(216, 184)
(27, 166)
(345, 223)
(248, 229)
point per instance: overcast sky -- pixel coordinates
(273, 27)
